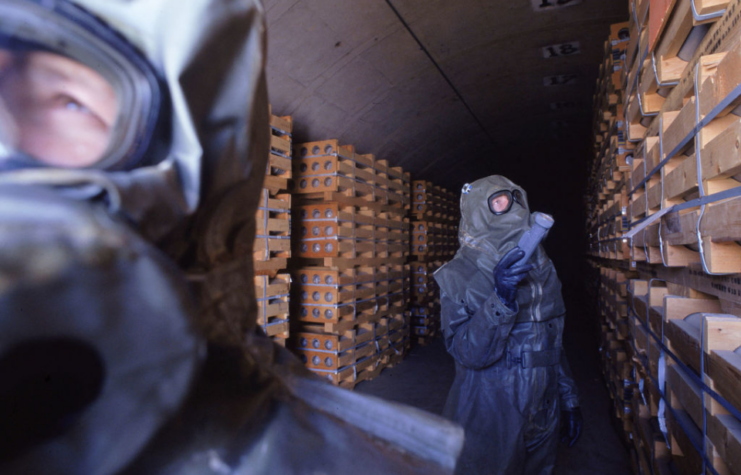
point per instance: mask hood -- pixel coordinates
(210, 58)
(482, 230)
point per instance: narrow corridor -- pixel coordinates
(423, 378)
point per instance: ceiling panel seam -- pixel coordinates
(442, 73)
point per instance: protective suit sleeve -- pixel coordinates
(476, 339)
(566, 387)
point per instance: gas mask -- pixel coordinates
(500, 202)
(73, 93)
(494, 214)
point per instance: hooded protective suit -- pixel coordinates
(153, 381)
(512, 378)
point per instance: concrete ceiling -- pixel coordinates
(351, 70)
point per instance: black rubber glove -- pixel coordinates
(507, 275)
(571, 423)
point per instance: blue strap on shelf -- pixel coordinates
(732, 96)
(640, 106)
(659, 84)
(698, 381)
(633, 84)
(687, 371)
(707, 199)
(695, 379)
(707, 16)
(703, 199)
(699, 447)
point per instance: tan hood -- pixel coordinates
(211, 57)
(482, 230)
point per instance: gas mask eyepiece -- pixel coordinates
(501, 201)
(73, 93)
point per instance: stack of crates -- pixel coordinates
(449, 216)
(351, 277)
(434, 222)
(665, 225)
(613, 152)
(272, 246)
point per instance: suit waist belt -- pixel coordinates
(535, 359)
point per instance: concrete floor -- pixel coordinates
(422, 380)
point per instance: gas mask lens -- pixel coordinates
(55, 109)
(501, 202)
(73, 94)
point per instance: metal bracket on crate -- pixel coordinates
(708, 16)
(700, 184)
(635, 15)
(703, 199)
(265, 222)
(279, 154)
(632, 86)
(661, 245)
(280, 130)
(640, 106)
(264, 304)
(697, 380)
(644, 17)
(656, 74)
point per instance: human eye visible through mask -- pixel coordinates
(55, 110)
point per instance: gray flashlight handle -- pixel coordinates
(531, 239)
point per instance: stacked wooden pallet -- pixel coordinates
(272, 247)
(435, 215)
(607, 199)
(667, 247)
(351, 277)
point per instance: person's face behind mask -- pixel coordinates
(54, 109)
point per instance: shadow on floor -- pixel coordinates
(422, 380)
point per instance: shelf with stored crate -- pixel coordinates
(279, 165)
(272, 244)
(650, 94)
(313, 337)
(631, 48)
(721, 37)
(679, 39)
(272, 295)
(326, 286)
(326, 170)
(426, 309)
(333, 360)
(351, 374)
(393, 179)
(317, 218)
(345, 316)
(424, 267)
(672, 180)
(279, 162)
(357, 354)
(421, 185)
(721, 439)
(649, 440)
(278, 169)
(424, 293)
(281, 125)
(637, 118)
(705, 342)
(337, 230)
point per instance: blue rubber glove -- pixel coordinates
(571, 424)
(507, 274)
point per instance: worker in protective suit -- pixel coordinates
(133, 144)
(502, 322)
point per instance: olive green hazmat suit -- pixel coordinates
(512, 379)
